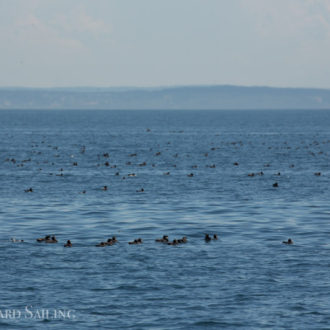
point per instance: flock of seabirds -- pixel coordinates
(107, 164)
(165, 240)
(113, 240)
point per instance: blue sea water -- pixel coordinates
(246, 279)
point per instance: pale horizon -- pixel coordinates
(154, 43)
(115, 87)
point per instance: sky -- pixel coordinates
(149, 43)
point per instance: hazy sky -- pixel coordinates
(283, 43)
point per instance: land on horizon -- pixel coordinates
(213, 97)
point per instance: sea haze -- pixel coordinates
(247, 278)
(175, 98)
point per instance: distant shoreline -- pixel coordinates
(165, 98)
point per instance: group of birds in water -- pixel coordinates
(113, 240)
(104, 161)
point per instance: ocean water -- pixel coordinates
(246, 279)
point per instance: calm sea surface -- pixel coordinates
(246, 279)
